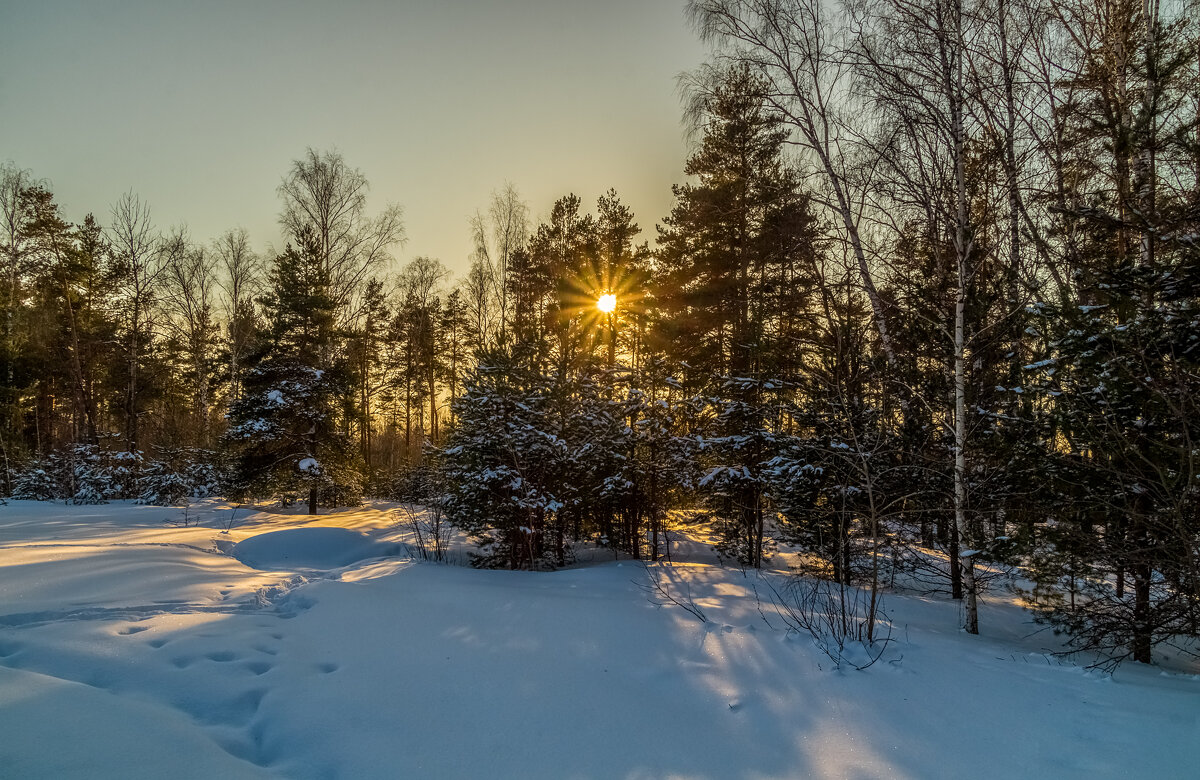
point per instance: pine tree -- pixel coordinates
(286, 429)
(732, 257)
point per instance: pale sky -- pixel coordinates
(199, 107)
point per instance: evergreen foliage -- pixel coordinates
(285, 428)
(1125, 533)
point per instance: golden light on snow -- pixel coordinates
(607, 303)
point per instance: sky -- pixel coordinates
(200, 107)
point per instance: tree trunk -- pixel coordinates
(962, 251)
(433, 421)
(972, 625)
(1143, 630)
(131, 426)
(960, 431)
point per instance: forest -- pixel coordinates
(928, 301)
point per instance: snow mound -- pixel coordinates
(310, 548)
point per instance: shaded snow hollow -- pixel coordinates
(310, 548)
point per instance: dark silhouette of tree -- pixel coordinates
(286, 430)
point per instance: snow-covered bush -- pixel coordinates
(178, 474)
(35, 483)
(163, 485)
(80, 474)
(115, 474)
(89, 474)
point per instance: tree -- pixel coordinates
(554, 285)
(503, 460)
(417, 319)
(623, 270)
(916, 60)
(365, 355)
(537, 459)
(285, 430)
(1126, 373)
(797, 49)
(240, 282)
(497, 239)
(1121, 342)
(66, 331)
(457, 345)
(189, 292)
(13, 184)
(661, 464)
(734, 271)
(731, 252)
(324, 203)
(137, 267)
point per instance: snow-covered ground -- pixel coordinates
(132, 647)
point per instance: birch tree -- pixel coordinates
(137, 263)
(324, 195)
(189, 293)
(241, 281)
(798, 48)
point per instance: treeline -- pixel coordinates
(929, 297)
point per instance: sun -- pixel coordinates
(607, 303)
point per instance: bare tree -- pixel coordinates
(13, 182)
(138, 265)
(189, 290)
(479, 294)
(242, 280)
(323, 195)
(915, 60)
(503, 233)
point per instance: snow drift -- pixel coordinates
(310, 548)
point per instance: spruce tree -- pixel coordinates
(1125, 378)
(286, 429)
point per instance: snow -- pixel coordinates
(310, 548)
(131, 647)
(309, 464)
(275, 397)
